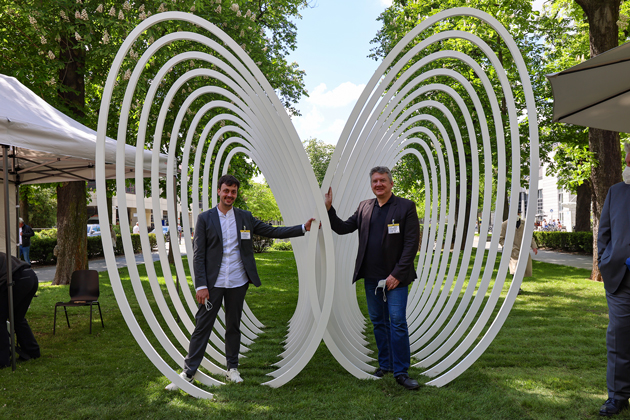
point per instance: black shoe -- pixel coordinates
(612, 407)
(404, 380)
(380, 372)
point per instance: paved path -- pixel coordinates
(556, 257)
(47, 273)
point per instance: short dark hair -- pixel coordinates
(381, 170)
(229, 180)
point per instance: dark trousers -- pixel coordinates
(618, 341)
(24, 288)
(233, 300)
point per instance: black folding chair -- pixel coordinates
(84, 291)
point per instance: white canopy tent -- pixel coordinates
(48, 146)
(39, 144)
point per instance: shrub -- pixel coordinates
(42, 248)
(282, 246)
(566, 241)
(47, 233)
(261, 243)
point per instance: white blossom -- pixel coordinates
(100, 8)
(105, 37)
(121, 15)
(133, 55)
(242, 34)
(33, 21)
(142, 16)
(253, 18)
(234, 7)
(51, 55)
(192, 8)
(79, 2)
(51, 82)
(127, 6)
(112, 11)
(77, 14)
(141, 8)
(161, 9)
(84, 14)
(127, 75)
(77, 36)
(238, 13)
(258, 63)
(40, 52)
(191, 63)
(58, 38)
(43, 39)
(248, 13)
(243, 45)
(149, 13)
(218, 9)
(265, 49)
(151, 40)
(63, 16)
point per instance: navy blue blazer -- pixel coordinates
(208, 244)
(613, 239)
(399, 249)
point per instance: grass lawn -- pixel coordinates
(548, 362)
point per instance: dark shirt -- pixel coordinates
(372, 267)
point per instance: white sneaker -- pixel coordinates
(232, 375)
(173, 387)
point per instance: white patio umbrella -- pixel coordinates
(595, 93)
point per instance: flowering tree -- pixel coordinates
(63, 49)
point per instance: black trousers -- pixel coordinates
(233, 300)
(25, 286)
(618, 341)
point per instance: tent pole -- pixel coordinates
(7, 236)
(174, 235)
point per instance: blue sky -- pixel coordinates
(333, 44)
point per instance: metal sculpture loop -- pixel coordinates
(397, 115)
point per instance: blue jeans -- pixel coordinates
(26, 251)
(390, 326)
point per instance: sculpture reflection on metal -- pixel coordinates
(449, 309)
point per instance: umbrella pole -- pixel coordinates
(7, 236)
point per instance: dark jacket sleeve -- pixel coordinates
(603, 236)
(263, 229)
(402, 270)
(339, 226)
(199, 252)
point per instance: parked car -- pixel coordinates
(165, 231)
(93, 230)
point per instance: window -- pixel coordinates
(540, 202)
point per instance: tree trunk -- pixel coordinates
(71, 235)
(603, 34)
(24, 206)
(71, 196)
(583, 208)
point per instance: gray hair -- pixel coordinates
(626, 147)
(381, 170)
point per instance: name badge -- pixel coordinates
(245, 234)
(393, 228)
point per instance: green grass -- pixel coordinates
(548, 362)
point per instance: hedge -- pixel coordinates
(43, 246)
(565, 241)
(282, 246)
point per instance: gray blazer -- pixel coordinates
(613, 240)
(208, 244)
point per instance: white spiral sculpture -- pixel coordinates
(445, 318)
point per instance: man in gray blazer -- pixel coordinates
(613, 245)
(224, 267)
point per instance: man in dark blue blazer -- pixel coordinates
(613, 246)
(224, 267)
(389, 234)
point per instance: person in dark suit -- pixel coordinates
(613, 248)
(24, 288)
(224, 266)
(386, 255)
